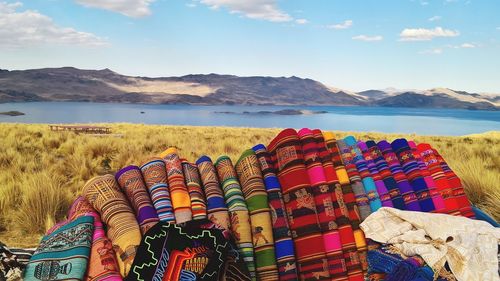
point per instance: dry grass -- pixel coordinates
(42, 171)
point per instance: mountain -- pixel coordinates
(72, 84)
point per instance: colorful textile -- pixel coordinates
(412, 172)
(176, 185)
(357, 185)
(396, 268)
(283, 243)
(154, 172)
(13, 262)
(132, 184)
(324, 205)
(104, 194)
(349, 199)
(255, 195)
(364, 173)
(238, 210)
(407, 192)
(194, 186)
(347, 240)
(437, 199)
(382, 191)
(469, 247)
(194, 250)
(216, 206)
(430, 160)
(63, 254)
(287, 157)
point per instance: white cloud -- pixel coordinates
(257, 9)
(25, 28)
(368, 38)
(468, 45)
(435, 18)
(130, 8)
(191, 5)
(422, 34)
(498, 28)
(435, 51)
(424, 3)
(346, 24)
(301, 21)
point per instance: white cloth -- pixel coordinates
(469, 246)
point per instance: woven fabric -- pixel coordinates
(176, 185)
(252, 184)
(283, 243)
(154, 172)
(104, 194)
(238, 211)
(412, 172)
(382, 191)
(13, 262)
(349, 199)
(217, 210)
(133, 186)
(287, 157)
(195, 250)
(430, 160)
(63, 254)
(364, 173)
(407, 192)
(437, 199)
(324, 205)
(347, 240)
(194, 186)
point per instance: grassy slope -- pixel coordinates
(42, 171)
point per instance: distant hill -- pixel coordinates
(72, 84)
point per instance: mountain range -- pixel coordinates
(72, 84)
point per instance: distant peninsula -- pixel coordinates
(12, 113)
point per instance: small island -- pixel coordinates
(12, 113)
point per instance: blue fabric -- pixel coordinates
(480, 215)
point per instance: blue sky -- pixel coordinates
(349, 44)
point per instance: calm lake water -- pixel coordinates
(378, 119)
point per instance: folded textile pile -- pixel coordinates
(306, 207)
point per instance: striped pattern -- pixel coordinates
(283, 243)
(194, 186)
(132, 184)
(383, 193)
(155, 177)
(238, 211)
(177, 187)
(103, 193)
(347, 194)
(217, 210)
(324, 206)
(412, 172)
(287, 157)
(364, 173)
(255, 195)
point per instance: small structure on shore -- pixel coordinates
(81, 129)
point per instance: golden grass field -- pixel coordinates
(41, 171)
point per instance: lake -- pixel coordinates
(343, 118)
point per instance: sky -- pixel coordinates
(349, 44)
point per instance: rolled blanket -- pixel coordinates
(437, 199)
(364, 173)
(349, 201)
(216, 206)
(383, 193)
(176, 185)
(357, 185)
(194, 186)
(155, 176)
(347, 240)
(255, 195)
(404, 186)
(133, 186)
(324, 205)
(412, 172)
(103, 193)
(13, 262)
(287, 157)
(63, 254)
(283, 243)
(238, 211)
(437, 173)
